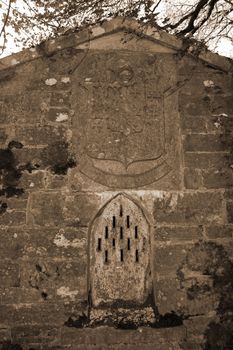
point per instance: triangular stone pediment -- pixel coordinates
(124, 41)
(117, 33)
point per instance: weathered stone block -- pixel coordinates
(193, 124)
(18, 295)
(185, 67)
(219, 231)
(194, 106)
(196, 326)
(138, 346)
(167, 258)
(35, 346)
(206, 143)
(3, 136)
(33, 314)
(222, 104)
(218, 178)
(16, 203)
(22, 107)
(230, 212)
(207, 160)
(58, 114)
(79, 209)
(229, 194)
(45, 209)
(54, 181)
(13, 218)
(56, 242)
(192, 345)
(193, 178)
(60, 99)
(42, 335)
(106, 336)
(35, 136)
(55, 209)
(220, 123)
(189, 208)
(56, 280)
(9, 274)
(174, 295)
(30, 156)
(177, 233)
(169, 296)
(80, 182)
(5, 334)
(12, 243)
(32, 181)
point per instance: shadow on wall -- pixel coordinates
(208, 259)
(6, 345)
(55, 157)
(10, 171)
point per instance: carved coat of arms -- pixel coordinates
(119, 118)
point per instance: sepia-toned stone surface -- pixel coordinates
(120, 253)
(119, 101)
(115, 127)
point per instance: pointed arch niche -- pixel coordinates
(119, 253)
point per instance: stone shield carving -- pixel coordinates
(119, 124)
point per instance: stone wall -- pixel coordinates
(50, 199)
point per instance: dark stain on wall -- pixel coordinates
(121, 319)
(170, 319)
(3, 207)
(7, 345)
(6, 75)
(41, 277)
(125, 316)
(210, 259)
(79, 322)
(9, 171)
(56, 156)
(219, 334)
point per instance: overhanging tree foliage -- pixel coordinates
(33, 21)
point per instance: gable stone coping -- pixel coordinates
(73, 39)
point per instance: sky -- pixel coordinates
(224, 47)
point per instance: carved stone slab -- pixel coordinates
(119, 120)
(119, 254)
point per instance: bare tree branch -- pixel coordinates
(6, 19)
(191, 28)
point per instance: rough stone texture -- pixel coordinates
(61, 107)
(120, 244)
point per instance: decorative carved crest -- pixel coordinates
(118, 100)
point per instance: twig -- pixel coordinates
(6, 19)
